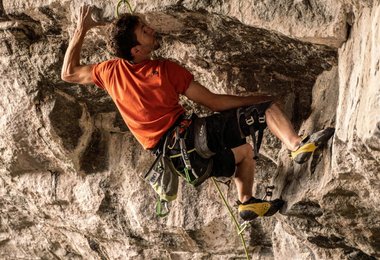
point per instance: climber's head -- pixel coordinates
(131, 39)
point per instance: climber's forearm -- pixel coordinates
(72, 56)
(220, 102)
(72, 70)
(225, 102)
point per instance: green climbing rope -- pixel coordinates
(119, 5)
(239, 231)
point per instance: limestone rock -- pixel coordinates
(70, 170)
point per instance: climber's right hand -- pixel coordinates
(85, 20)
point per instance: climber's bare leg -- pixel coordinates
(245, 171)
(279, 124)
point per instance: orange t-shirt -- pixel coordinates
(146, 94)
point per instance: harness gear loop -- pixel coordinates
(238, 227)
(184, 154)
(182, 159)
(179, 136)
(119, 5)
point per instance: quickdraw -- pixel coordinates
(119, 5)
(178, 136)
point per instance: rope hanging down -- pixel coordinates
(238, 228)
(119, 4)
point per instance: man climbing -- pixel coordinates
(146, 92)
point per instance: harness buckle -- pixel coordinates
(250, 120)
(262, 119)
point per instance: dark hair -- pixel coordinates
(122, 37)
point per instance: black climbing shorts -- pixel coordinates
(223, 134)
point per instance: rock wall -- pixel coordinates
(70, 171)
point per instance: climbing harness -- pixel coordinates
(238, 227)
(119, 4)
(188, 162)
(174, 159)
(251, 120)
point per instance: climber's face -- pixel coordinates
(146, 36)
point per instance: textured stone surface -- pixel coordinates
(70, 171)
(251, 60)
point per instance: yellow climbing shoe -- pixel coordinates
(309, 144)
(254, 208)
